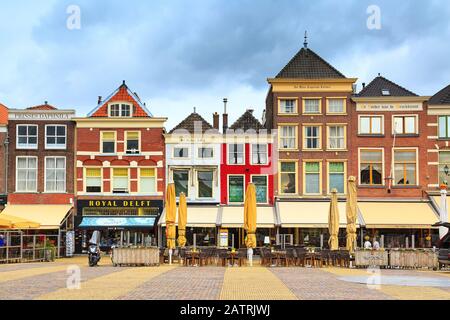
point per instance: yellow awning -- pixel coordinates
(43, 216)
(11, 222)
(309, 214)
(397, 215)
(233, 217)
(197, 217)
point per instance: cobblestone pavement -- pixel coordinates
(49, 281)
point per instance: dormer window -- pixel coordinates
(118, 110)
(385, 92)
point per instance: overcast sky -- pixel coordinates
(178, 55)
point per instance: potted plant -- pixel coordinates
(50, 250)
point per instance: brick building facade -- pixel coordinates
(3, 154)
(120, 170)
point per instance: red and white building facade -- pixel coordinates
(120, 171)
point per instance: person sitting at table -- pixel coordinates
(376, 244)
(367, 245)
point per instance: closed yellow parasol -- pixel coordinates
(171, 212)
(182, 220)
(333, 221)
(250, 216)
(351, 211)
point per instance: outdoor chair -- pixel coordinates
(344, 257)
(223, 257)
(267, 256)
(335, 259)
(291, 257)
(322, 258)
(203, 258)
(301, 256)
(242, 256)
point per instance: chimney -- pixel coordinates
(355, 88)
(99, 99)
(364, 85)
(225, 116)
(216, 117)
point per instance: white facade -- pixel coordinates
(197, 160)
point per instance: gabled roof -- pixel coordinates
(192, 122)
(44, 106)
(380, 84)
(247, 121)
(441, 98)
(123, 94)
(307, 64)
(3, 114)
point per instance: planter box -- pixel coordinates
(414, 259)
(135, 257)
(369, 258)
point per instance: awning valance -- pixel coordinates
(43, 216)
(397, 215)
(117, 222)
(309, 214)
(233, 217)
(197, 217)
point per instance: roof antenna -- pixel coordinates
(305, 44)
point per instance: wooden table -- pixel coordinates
(278, 254)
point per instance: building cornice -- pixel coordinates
(120, 122)
(391, 99)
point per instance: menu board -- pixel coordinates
(223, 238)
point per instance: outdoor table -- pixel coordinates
(194, 255)
(312, 256)
(278, 254)
(232, 256)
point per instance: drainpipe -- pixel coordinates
(6, 143)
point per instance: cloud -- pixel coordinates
(179, 54)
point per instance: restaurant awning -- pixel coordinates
(197, 217)
(397, 215)
(309, 214)
(437, 202)
(47, 217)
(233, 217)
(117, 222)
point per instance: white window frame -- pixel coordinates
(305, 137)
(383, 165)
(266, 151)
(228, 188)
(344, 107)
(85, 178)
(121, 104)
(281, 100)
(344, 147)
(416, 124)
(140, 178)
(45, 174)
(55, 146)
(319, 99)
(267, 185)
(243, 154)
(203, 158)
(181, 147)
(281, 137)
(27, 146)
(128, 178)
(139, 151)
(101, 142)
(189, 181)
(197, 191)
(17, 174)
(371, 116)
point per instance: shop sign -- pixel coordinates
(223, 238)
(389, 107)
(117, 203)
(70, 243)
(40, 116)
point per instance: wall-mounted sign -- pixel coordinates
(386, 107)
(223, 238)
(40, 115)
(117, 203)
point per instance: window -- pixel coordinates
(444, 127)
(336, 105)
(405, 167)
(260, 183)
(336, 176)
(259, 153)
(236, 189)
(311, 106)
(444, 166)
(132, 142)
(312, 137)
(312, 177)
(147, 181)
(236, 154)
(205, 153)
(371, 167)
(93, 180)
(288, 137)
(288, 106)
(120, 110)
(385, 92)
(288, 178)
(370, 125)
(205, 184)
(120, 180)
(336, 137)
(181, 180)
(55, 137)
(55, 174)
(26, 174)
(405, 125)
(108, 142)
(27, 136)
(180, 152)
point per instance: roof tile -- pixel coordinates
(192, 122)
(375, 88)
(246, 122)
(441, 98)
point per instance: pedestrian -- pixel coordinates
(2, 242)
(376, 244)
